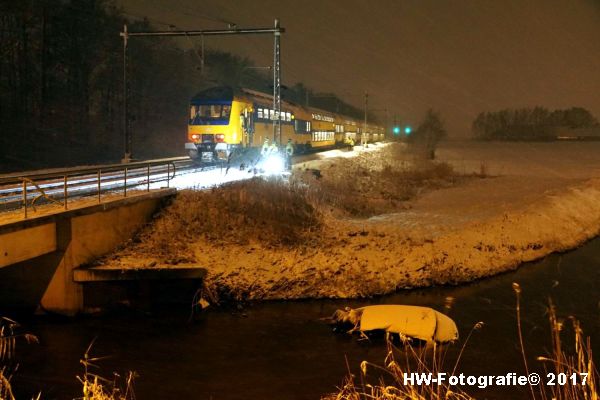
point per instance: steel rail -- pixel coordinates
(25, 189)
(16, 177)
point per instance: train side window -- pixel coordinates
(260, 113)
(272, 114)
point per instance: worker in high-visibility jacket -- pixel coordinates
(289, 152)
(266, 148)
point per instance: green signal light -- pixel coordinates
(408, 130)
(396, 130)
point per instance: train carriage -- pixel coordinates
(350, 132)
(225, 122)
(323, 129)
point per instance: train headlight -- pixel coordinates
(274, 164)
(195, 136)
(219, 138)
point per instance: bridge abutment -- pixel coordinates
(38, 255)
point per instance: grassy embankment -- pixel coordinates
(294, 212)
(273, 222)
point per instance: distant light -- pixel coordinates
(408, 130)
(396, 130)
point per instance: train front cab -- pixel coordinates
(219, 124)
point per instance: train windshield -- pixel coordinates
(209, 112)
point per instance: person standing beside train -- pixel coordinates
(289, 152)
(266, 148)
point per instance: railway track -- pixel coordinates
(26, 189)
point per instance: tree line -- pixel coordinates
(537, 123)
(61, 98)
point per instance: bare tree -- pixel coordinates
(430, 131)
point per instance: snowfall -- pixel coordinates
(535, 199)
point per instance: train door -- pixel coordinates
(247, 127)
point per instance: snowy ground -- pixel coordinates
(218, 176)
(538, 198)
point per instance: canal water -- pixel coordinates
(281, 350)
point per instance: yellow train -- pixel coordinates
(225, 122)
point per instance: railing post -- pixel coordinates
(65, 194)
(125, 186)
(25, 196)
(168, 174)
(99, 178)
(148, 177)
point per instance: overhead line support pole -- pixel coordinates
(363, 137)
(276, 31)
(126, 133)
(277, 84)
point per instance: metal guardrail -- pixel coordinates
(59, 185)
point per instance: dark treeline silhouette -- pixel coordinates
(536, 123)
(61, 85)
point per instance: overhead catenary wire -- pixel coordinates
(276, 30)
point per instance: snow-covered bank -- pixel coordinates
(474, 229)
(375, 258)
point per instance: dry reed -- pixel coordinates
(578, 364)
(560, 363)
(8, 346)
(95, 387)
(406, 359)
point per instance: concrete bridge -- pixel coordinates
(41, 257)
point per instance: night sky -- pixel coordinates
(459, 57)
